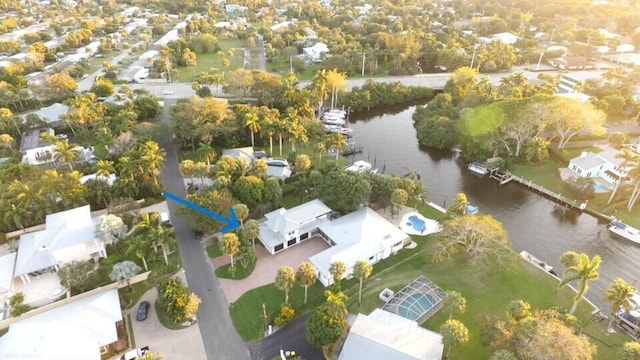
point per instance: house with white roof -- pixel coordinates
(382, 335)
(284, 228)
(76, 330)
(52, 113)
(316, 53)
(68, 236)
(276, 167)
(361, 235)
(604, 165)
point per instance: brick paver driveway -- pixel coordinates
(267, 266)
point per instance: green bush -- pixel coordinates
(286, 315)
(559, 155)
(112, 259)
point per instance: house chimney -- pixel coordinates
(583, 154)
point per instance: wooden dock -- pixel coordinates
(351, 150)
(506, 177)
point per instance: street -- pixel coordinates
(290, 337)
(220, 339)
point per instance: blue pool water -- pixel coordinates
(415, 305)
(600, 187)
(417, 223)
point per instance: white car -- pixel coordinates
(168, 92)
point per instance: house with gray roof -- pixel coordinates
(382, 335)
(52, 113)
(604, 165)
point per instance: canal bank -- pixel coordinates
(534, 223)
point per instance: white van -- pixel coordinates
(135, 353)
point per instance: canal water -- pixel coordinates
(534, 223)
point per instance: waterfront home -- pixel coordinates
(316, 53)
(361, 235)
(276, 167)
(604, 165)
(384, 335)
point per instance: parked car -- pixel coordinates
(135, 353)
(143, 310)
(168, 92)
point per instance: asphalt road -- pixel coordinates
(434, 81)
(220, 339)
(291, 337)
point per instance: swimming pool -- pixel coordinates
(417, 223)
(415, 305)
(600, 187)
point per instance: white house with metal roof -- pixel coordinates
(361, 235)
(68, 236)
(284, 228)
(604, 165)
(73, 331)
(382, 335)
(316, 53)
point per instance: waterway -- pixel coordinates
(534, 223)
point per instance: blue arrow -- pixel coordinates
(232, 223)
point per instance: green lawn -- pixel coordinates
(239, 272)
(213, 60)
(487, 287)
(213, 250)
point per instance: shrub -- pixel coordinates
(286, 315)
(18, 307)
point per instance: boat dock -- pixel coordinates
(352, 150)
(507, 177)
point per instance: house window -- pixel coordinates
(304, 236)
(371, 258)
(291, 242)
(278, 247)
(397, 244)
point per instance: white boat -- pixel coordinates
(338, 129)
(478, 168)
(623, 230)
(334, 117)
(361, 166)
(537, 262)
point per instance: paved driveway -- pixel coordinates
(267, 266)
(171, 344)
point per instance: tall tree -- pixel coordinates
(585, 271)
(251, 230)
(628, 158)
(478, 237)
(124, 271)
(454, 333)
(252, 122)
(454, 302)
(65, 153)
(230, 245)
(620, 294)
(336, 82)
(285, 280)
(361, 271)
(338, 270)
(306, 276)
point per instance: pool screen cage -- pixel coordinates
(410, 300)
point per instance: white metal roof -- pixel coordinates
(382, 335)
(284, 221)
(7, 263)
(72, 331)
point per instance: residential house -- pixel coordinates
(361, 235)
(110, 180)
(316, 53)
(68, 236)
(34, 150)
(72, 331)
(572, 62)
(52, 113)
(276, 167)
(284, 228)
(382, 335)
(505, 38)
(604, 165)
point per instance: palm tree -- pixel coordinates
(162, 238)
(127, 166)
(201, 171)
(453, 333)
(65, 153)
(634, 174)
(455, 302)
(252, 231)
(335, 305)
(339, 141)
(337, 269)
(320, 89)
(16, 216)
(252, 122)
(152, 157)
(242, 213)
(628, 157)
(124, 271)
(585, 270)
(620, 294)
(186, 169)
(306, 276)
(361, 271)
(105, 168)
(206, 153)
(320, 147)
(285, 279)
(230, 245)
(139, 246)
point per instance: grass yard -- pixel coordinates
(213, 250)
(239, 272)
(487, 288)
(545, 175)
(212, 60)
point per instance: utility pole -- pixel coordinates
(539, 60)
(290, 63)
(473, 57)
(363, 57)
